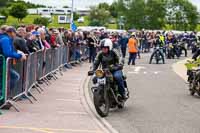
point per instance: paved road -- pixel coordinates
(159, 102)
(59, 109)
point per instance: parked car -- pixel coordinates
(81, 20)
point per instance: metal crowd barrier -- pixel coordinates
(2, 79)
(19, 77)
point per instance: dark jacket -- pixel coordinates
(20, 44)
(32, 45)
(196, 55)
(123, 42)
(106, 60)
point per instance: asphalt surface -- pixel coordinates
(60, 108)
(159, 101)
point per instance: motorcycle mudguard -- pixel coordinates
(96, 88)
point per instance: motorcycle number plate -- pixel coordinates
(101, 81)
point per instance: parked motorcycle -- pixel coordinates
(105, 92)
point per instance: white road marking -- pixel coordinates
(68, 100)
(156, 72)
(153, 72)
(73, 113)
(137, 68)
(130, 72)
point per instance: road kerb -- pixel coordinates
(180, 69)
(107, 128)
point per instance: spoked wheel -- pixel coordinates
(192, 92)
(157, 61)
(121, 105)
(101, 102)
(191, 88)
(198, 92)
(150, 61)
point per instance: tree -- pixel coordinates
(41, 21)
(104, 6)
(27, 4)
(191, 14)
(182, 15)
(135, 14)
(113, 10)
(155, 14)
(76, 16)
(4, 3)
(99, 15)
(18, 10)
(4, 12)
(95, 22)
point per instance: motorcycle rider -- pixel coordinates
(159, 42)
(183, 41)
(171, 39)
(193, 41)
(196, 54)
(108, 58)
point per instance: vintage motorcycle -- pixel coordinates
(105, 92)
(157, 56)
(194, 81)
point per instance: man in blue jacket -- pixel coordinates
(7, 50)
(6, 44)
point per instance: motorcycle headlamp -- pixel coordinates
(99, 73)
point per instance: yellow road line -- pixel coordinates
(28, 128)
(49, 130)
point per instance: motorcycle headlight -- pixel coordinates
(99, 73)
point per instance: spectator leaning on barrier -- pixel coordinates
(7, 50)
(53, 41)
(6, 44)
(65, 38)
(3, 30)
(48, 35)
(38, 39)
(32, 43)
(59, 39)
(42, 38)
(78, 40)
(20, 42)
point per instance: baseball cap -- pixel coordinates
(35, 33)
(10, 29)
(55, 31)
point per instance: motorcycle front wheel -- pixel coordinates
(101, 102)
(191, 89)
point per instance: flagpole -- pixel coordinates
(72, 14)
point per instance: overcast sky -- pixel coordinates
(85, 3)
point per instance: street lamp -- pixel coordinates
(72, 14)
